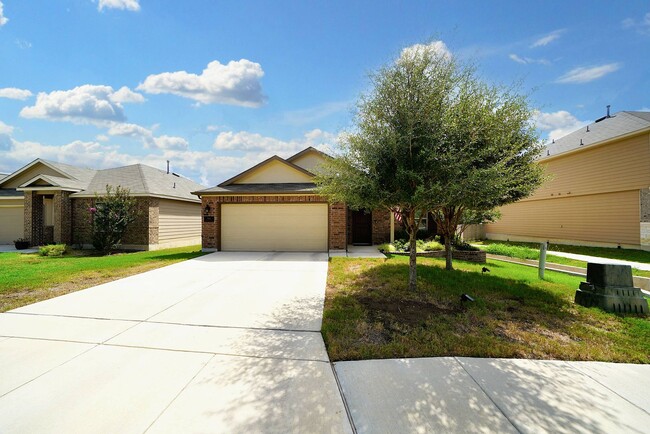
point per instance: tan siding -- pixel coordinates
(37, 169)
(178, 220)
(11, 220)
(607, 218)
(619, 166)
(309, 161)
(274, 172)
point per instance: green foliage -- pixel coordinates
(433, 246)
(112, 214)
(521, 252)
(386, 248)
(52, 250)
(464, 247)
(430, 135)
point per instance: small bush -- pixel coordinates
(433, 246)
(464, 247)
(52, 250)
(386, 248)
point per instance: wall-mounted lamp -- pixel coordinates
(207, 209)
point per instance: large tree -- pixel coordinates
(415, 133)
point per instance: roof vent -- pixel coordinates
(167, 167)
(608, 106)
(553, 141)
(548, 152)
(587, 128)
(581, 142)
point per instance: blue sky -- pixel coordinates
(215, 87)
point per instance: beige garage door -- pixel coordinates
(274, 227)
(11, 223)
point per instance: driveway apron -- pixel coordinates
(228, 342)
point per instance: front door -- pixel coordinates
(361, 228)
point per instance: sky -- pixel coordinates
(216, 87)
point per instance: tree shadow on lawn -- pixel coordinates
(371, 314)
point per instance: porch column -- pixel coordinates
(33, 216)
(62, 207)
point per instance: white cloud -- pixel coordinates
(3, 19)
(247, 142)
(314, 114)
(547, 39)
(102, 138)
(14, 93)
(87, 104)
(6, 129)
(558, 124)
(641, 26)
(147, 136)
(587, 74)
(527, 60)
(438, 47)
(131, 5)
(23, 44)
(170, 142)
(237, 83)
(126, 95)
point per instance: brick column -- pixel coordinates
(380, 226)
(33, 218)
(210, 223)
(154, 221)
(62, 211)
(338, 225)
(645, 217)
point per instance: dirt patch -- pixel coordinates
(412, 313)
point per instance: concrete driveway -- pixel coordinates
(228, 342)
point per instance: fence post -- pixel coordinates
(542, 260)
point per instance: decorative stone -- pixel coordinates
(611, 288)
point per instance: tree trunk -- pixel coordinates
(448, 263)
(413, 267)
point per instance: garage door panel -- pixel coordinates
(274, 227)
(11, 223)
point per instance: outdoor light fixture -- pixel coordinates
(207, 209)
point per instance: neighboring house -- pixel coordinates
(598, 193)
(47, 202)
(273, 206)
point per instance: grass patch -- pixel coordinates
(370, 314)
(531, 251)
(28, 278)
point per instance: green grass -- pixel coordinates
(28, 278)
(531, 251)
(369, 313)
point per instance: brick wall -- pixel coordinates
(142, 232)
(338, 221)
(380, 226)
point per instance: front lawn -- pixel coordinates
(28, 278)
(369, 314)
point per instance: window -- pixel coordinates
(424, 223)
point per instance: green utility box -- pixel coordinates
(611, 288)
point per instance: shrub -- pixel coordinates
(386, 248)
(112, 215)
(464, 247)
(433, 246)
(52, 250)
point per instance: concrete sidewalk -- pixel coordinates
(458, 395)
(600, 260)
(228, 342)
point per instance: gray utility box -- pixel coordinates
(611, 288)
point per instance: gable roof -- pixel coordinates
(64, 170)
(243, 174)
(142, 180)
(306, 151)
(602, 130)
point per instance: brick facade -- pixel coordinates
(142, 232)
(337, 216)
(33, 220)
(62, 216)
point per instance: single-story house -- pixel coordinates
(47, 202)
(598, 193)
(273, 206)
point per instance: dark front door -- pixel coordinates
(361, 227)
